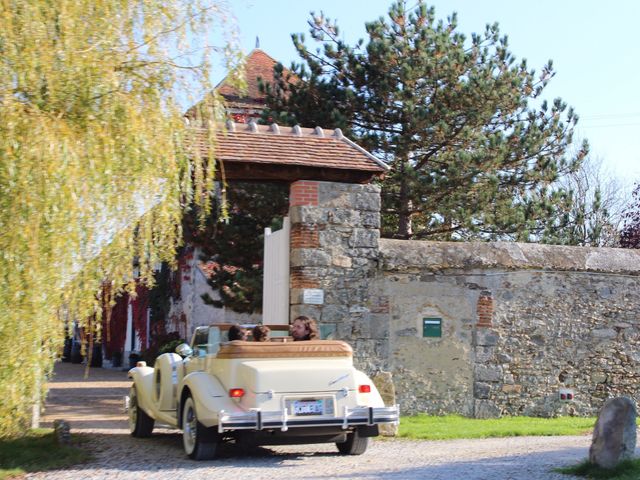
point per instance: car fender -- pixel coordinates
(209, 396)
(143, 380)
(371, 399)
(167, 374)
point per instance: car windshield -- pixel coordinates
(206, 340)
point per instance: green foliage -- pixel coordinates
(237, 245)
(166, 343)
(160, 295)
(470, 154)
(95, 166)
(35, 452)
(627, 470)
(426, 427)
(169, 347)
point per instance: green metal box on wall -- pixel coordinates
(432, 327)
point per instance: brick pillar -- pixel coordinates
(335, 229)
(488, 375)
(303, 192)
(304, 236)
(485, 310)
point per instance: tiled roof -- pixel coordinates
(259, 65)
(289, 146)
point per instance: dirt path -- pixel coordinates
(94, 403)
(94, 408)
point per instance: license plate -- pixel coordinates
(307, 407)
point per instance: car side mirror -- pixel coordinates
(184, 350)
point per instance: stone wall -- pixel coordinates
(334, 250)
(520, 323)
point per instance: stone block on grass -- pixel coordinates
(62, 431)
(614, 436)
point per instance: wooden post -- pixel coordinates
(35, 408)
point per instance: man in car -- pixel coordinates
(304, 328)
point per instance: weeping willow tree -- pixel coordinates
(95, 168)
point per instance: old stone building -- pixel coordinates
(479, 329)
(130, 329)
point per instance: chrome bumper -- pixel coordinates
(260, 420)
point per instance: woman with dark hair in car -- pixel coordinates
(236, 332)
(261, 333)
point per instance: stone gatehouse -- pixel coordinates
(479, 329)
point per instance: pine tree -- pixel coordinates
(235, 247)
(470, 155)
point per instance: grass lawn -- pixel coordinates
(36, 452)
(425, 427)
(629, 470)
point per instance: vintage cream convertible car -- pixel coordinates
(258, 393)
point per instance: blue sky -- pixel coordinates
(593, 45)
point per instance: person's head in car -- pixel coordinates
(304, 328)
(236, 332)
(261, 333)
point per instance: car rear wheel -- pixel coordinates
(140, 424)
(200, 442)
(355, 444)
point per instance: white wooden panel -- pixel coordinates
(275, 291)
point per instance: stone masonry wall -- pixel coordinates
(432, 375)
(520, 324)
(334, 249)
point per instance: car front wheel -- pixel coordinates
(355, 444)
(200, 442)
(140, 424)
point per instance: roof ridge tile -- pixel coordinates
(264, 144)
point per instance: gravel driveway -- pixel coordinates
(94, 409)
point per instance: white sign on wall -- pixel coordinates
(313, 296)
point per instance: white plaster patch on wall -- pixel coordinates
(432, 311)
